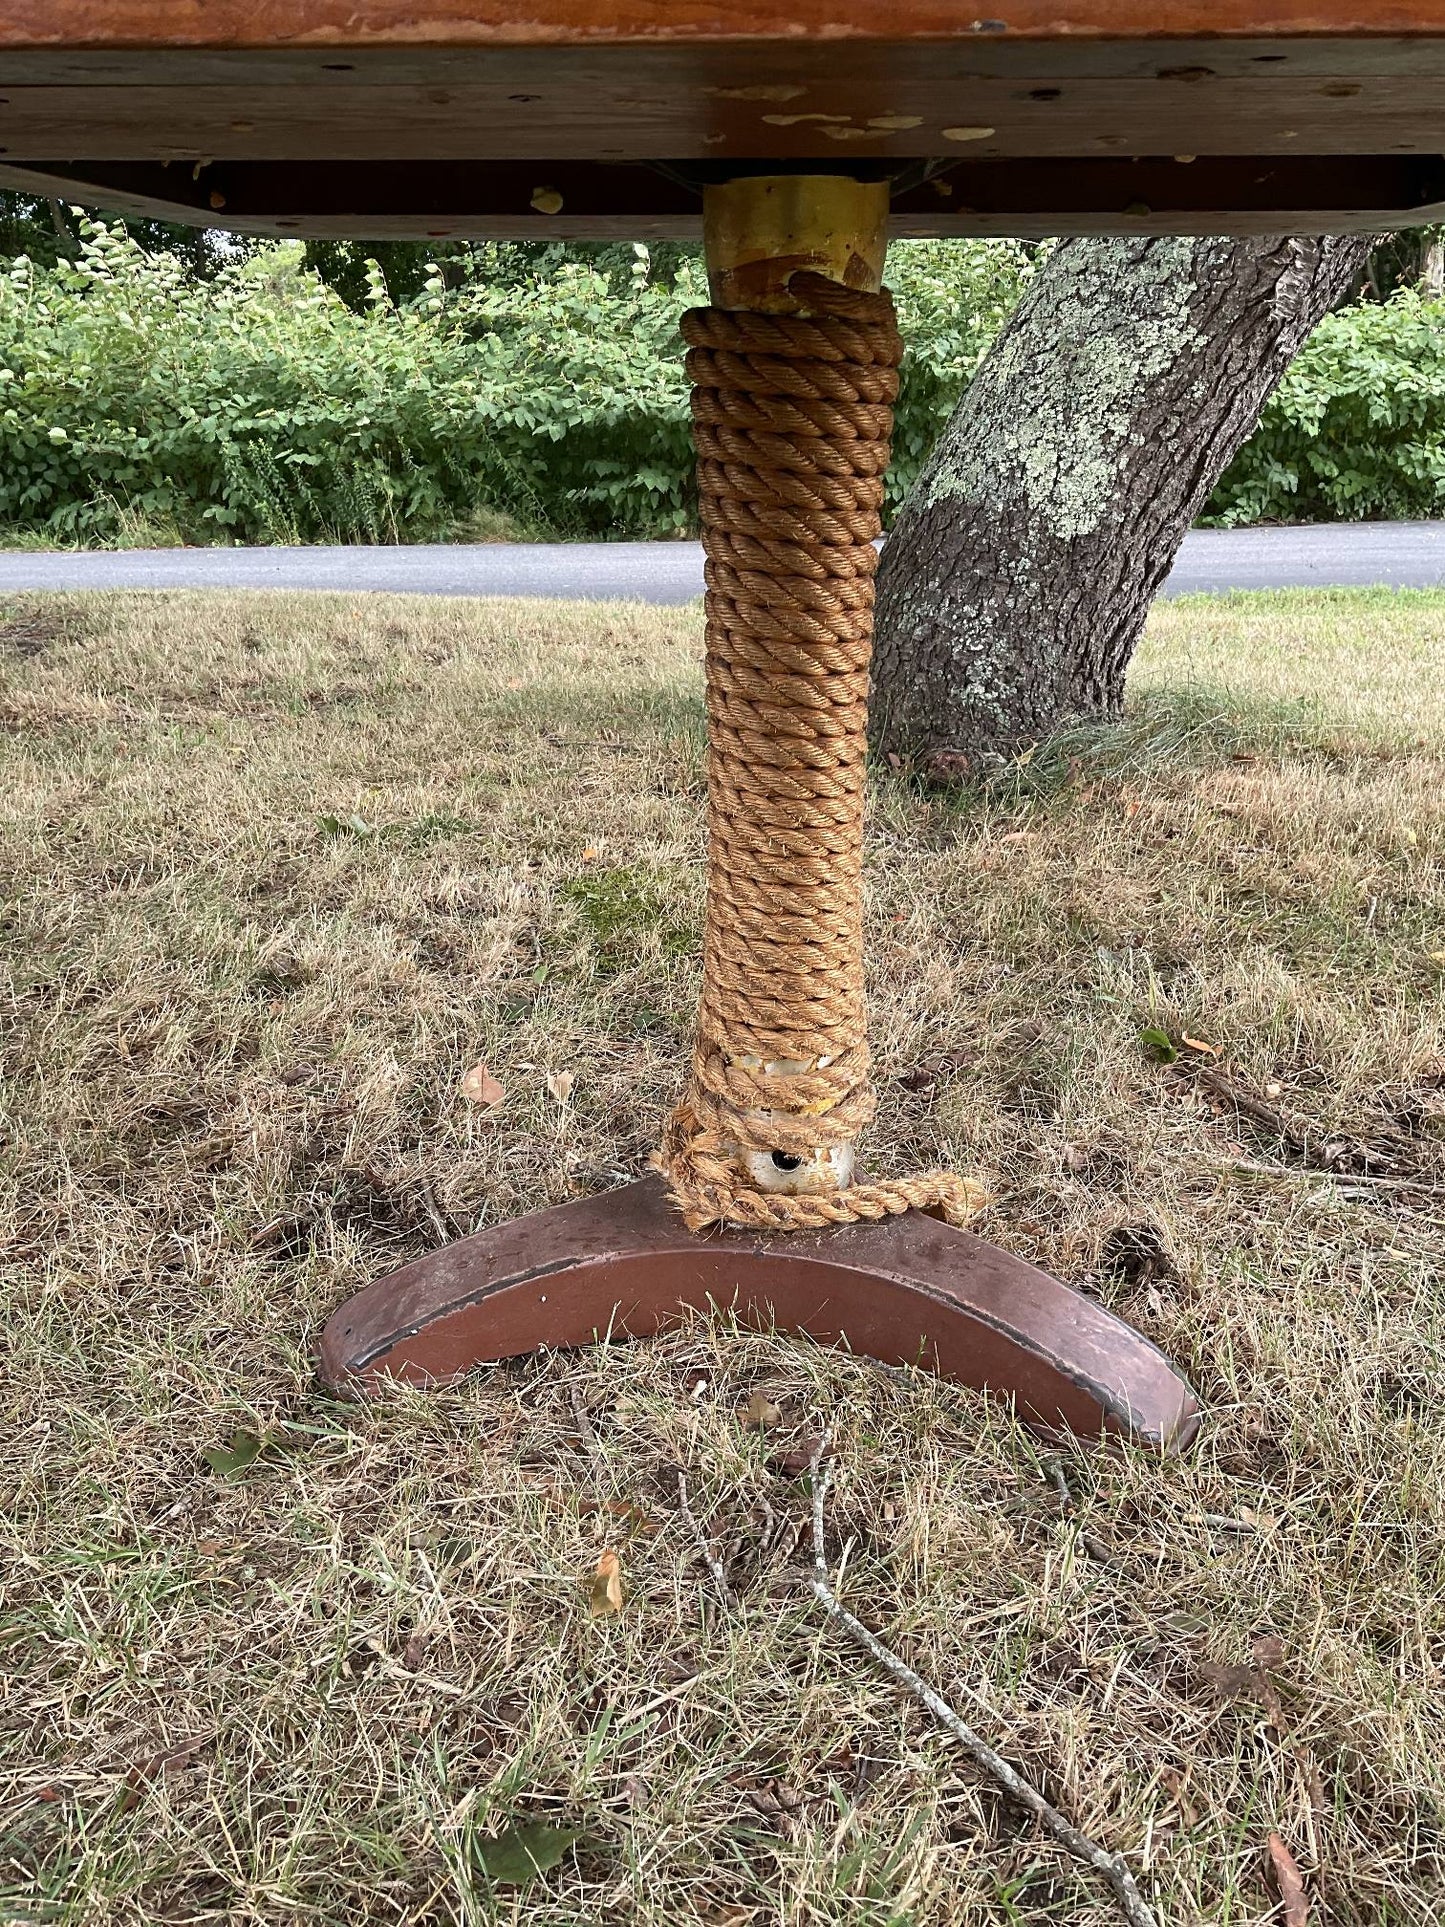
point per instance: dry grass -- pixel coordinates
(232, 1045)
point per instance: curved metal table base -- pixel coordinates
(908, 1291)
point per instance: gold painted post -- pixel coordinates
(760, 231)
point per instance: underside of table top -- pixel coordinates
(570, 118)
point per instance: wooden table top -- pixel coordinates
(442, 23)
(579, 118)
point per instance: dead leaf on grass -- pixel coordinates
(158, 1766)
(798, 1459)
(560, 1083)
(606, 1594)
(1198, 1043)
(480, 1087)
(1289, 1883)
(761, 1412)
(1251, 1682)
(777, 1802)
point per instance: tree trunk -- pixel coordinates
(64, 232)
(1016, 582)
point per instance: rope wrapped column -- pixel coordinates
(794, 373)
(792, 416)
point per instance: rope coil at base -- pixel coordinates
(792, 416)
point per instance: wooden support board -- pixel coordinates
(375, 117)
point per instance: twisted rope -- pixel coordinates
(792, 418)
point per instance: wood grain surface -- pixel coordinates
(347, 23)
(267, 99)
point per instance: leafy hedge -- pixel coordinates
(256, 406)
(1356, 431)
(138, 400)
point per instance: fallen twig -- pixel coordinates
(1060, 1485)
(1225, 1524)
(586, 1429)
(1245, 1101)
(719, 1577)
(1339, 1156)
(1345, 1180)
(433, 1211)
(1136, 1909)
(770, 1528)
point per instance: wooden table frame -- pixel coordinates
(375, 118)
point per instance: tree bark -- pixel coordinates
(1018, 576)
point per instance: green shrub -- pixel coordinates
(1357, 428)
(257, 406)
(544, 395)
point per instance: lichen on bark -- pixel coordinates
(1113, 329)
(1018, 576)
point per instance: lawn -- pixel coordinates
(277, 871)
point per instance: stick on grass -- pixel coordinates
(1136, 1909)
(719, 1577)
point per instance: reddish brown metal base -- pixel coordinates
(909, 1291)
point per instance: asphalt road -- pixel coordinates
(1397, 555)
